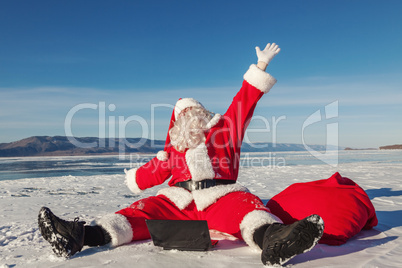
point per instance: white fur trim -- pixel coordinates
(259, 78)
(202, 198)
(179, 196)
(199, 163)
(118, 227)
(213, 121)
(252, 221)
(131, 180)
(185, 103)
(206, 197)
(162, 156)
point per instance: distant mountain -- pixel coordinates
(281, 147)
(62, 146)
(66, 146)
(359, 149)
(391, 147)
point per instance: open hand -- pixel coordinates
(268, 53)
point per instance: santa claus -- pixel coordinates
(201, 159)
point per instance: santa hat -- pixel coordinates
(185, 103)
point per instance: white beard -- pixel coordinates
(188, 130)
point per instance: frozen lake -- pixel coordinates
(90, 187)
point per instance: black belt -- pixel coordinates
(198, 185)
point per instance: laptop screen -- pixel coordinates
(181, 235)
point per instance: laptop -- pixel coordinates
(181, 235)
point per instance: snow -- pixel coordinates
(90, 197)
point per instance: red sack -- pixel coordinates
(344, 206)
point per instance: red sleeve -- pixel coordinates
(240, 111)
(153, 173)
(256, 83)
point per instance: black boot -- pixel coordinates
(96, 236)
(66, 237)
(282, 242)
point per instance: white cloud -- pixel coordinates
(43, 109)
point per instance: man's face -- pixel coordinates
(183, 113)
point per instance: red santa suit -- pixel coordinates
(228, 206)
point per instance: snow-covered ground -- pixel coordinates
(89, 197)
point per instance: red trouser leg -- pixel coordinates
(228, 212)
(151, 208)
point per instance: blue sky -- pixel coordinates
(136, 58)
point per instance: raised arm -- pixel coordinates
(256, 83)
(266, 55)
